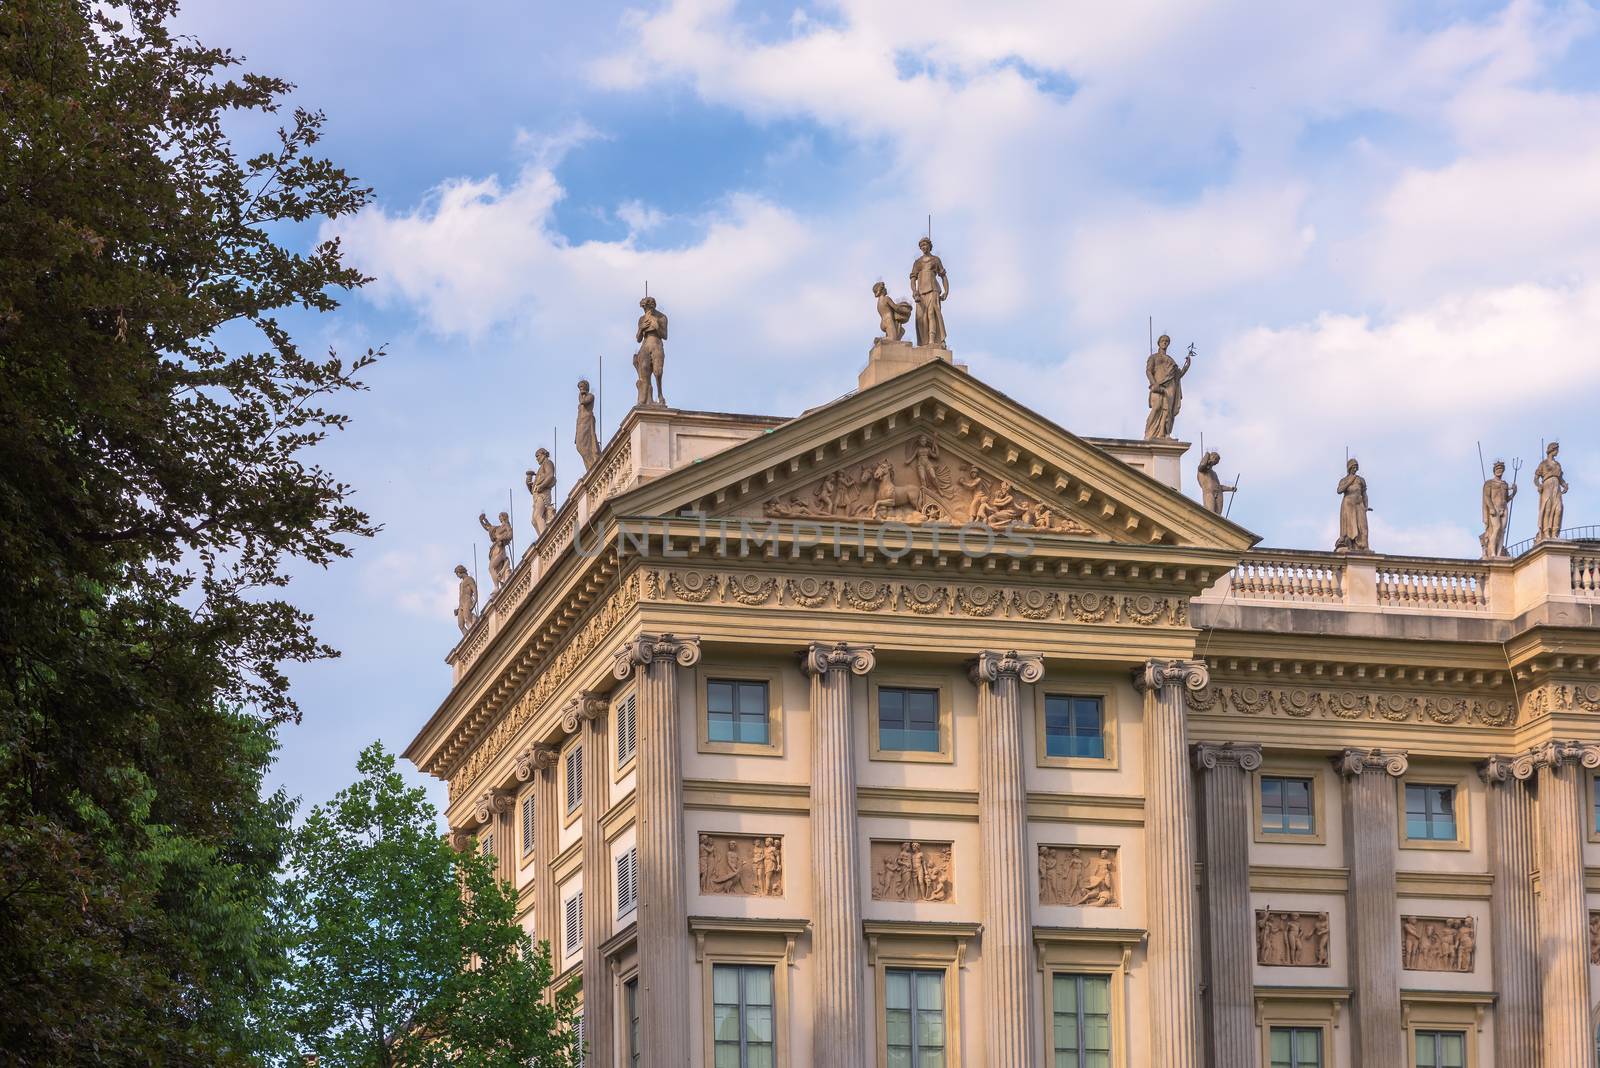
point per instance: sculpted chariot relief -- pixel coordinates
(1438, 943)
(912, 871)
(1077, 875)
(1292, 939)
(747, 865)
(915, 484)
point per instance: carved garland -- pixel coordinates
(1301, 703)
(1560, 697)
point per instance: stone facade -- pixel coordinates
(802, 754)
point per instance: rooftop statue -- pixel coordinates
(1548, 479)
(652, 355)
(466, 610)
(1353, 512)
(1166, 389)
(542, 484)
(927, 277)
(588, 440)
(892, 314)
(499, 548)
(1211, 487)
(1497, 498)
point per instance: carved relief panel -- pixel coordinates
(747, 865)
(913, 871)
(1594, 938)
(1438, 943)
(1291, 939)
(1078, 875)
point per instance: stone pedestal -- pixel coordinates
(891, 358)
(1009, 1012)
(839, 1035)
(588, 714)
(1226, 813)
(666, 1017)
(1174, 962)
(1568, 1038)
(1371, 833)
(1513, 918)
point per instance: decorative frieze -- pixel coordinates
(1594, 938)
(1560, 697)
(742, 865)
(913, 871)
(1301, 702)
(1438, 943)
(1292, 939)
(1078, 875)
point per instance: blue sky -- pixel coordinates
(1378, 223)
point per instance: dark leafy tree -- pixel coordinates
(405, 953)
(155, 419)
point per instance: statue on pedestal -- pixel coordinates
(587, 440)
(499, 548)
(1211, 487)
(1549, 481)
(1353, 511)
(652, 355)
(542, 484)
(1497, 498)
(466, 610)
(1166, 389)
(927, 276)
(892, 314)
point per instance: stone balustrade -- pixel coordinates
(1273, 576)
(1586, 575)
(1407, 584)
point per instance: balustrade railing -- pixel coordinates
(1586, 575)
(1403, 584)
(1285, 577)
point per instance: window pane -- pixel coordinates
(1426, 1054)
(758, 986)
(1066, 994)
(897, 990)
(897, 1026)
(758, 1024)
(1096, 995)
(725, 984)
(726, 1023)
(908, 720)
(930, 990)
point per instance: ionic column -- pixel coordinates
(1169, 861)
(587, 713)
(1513, 919)
(1008, 964)
(839, 1036)
(1226, 813)
(539, 764)
(491, 814)
(666, 1016)
(1563, 909)
(1371, 835)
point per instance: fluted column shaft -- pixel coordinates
(546, 829)
(667, 1020)
(1169, 861)
(838, 1031)
(598, 996)
(1513, 919)
(1371, 831)
(1563, 909)
(1008, 964)
(1225, 816)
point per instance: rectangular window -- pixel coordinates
(627, 721)
(1286, 806)
(486, 843)
(742, 1016)
(574, 778)
(527, 825)
(1295, 1047)
(573, 917)
(913, 1017)
(577, 1027)
(1081, 1021)
(627, 881)
(736, 711)
(630, 1005)
(908, 720)
(1441, 1049)
(1594, 820)
(1074, 726)
(1430, 812)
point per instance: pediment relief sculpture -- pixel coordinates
(1078, 875)
(1438, 943)
(917, 483)
(743, 865)
(1291, 939)
(913, 871)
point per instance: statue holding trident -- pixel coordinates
(927, 276)
(651, 358)
(1166, 390)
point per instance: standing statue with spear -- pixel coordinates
(1497, 498)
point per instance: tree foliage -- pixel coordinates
(155, 416)
(406, 953)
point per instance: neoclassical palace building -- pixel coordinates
(917, 730)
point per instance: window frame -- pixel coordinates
(914, 974)
(877, 682)
(1318, 1030)
(1306, 1008)
(742, 967)
(1438, 1032)
(1058, 976)
(571, 942)
(1594, 809)
(1445, 1010)
(1110, 709)
(918, 944)
(731, 671)
(528, 823)
(1292, 768)
(571, 757)
(631, 1049)
(1091, 952)
(625, 699)
(631, 857)
(1460, 795)
(746, 940)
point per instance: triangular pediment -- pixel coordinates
(935, 444)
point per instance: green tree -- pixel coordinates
(404, 952)
(155, 416)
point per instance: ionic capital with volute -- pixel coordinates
(532, 759)
(1354, 762)
(586, 707)
(647, 649)
(490, 804)
(1555, 756)
(820, 658)
(1155, 674)
(991, 666)
(1208, 756)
